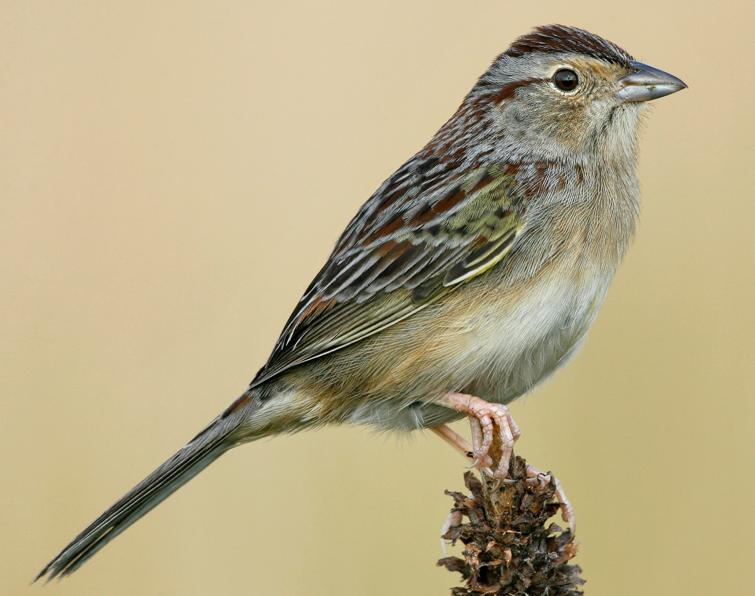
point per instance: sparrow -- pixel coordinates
(469, 276)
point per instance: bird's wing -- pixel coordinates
(428, 229)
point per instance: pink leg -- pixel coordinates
(486, 419)
(454, 439)
(567, 511)
(459, 443)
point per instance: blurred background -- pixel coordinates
(173, 174)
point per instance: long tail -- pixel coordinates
(194, 457)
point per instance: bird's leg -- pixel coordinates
(567, 511)
(487, 421)
(454, 439)
(484, 419)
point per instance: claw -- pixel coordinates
(567, 511)
(487, 421)
(452, 521)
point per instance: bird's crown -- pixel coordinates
(552, 39)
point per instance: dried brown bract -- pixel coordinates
(508, 548)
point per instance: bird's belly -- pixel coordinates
(520, 341)
(496, 346)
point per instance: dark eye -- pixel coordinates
(566, 79)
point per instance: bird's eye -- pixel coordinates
(566, 79)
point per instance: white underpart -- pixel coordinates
(512, 349)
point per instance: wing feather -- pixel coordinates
(426, 230)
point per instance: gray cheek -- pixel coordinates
(516, 121)
(516, 116)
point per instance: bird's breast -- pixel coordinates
(531, 330)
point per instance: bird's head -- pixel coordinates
(558, 92)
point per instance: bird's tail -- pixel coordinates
(194, 457)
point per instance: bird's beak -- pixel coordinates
(644, 83)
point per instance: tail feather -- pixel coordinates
(194, 457)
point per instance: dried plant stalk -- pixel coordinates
(508, 548)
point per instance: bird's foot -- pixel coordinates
(493, 428)
(460, 444)
(488, 421)
(567, 511)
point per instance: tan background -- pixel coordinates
(171, 176)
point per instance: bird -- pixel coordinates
(470, 275)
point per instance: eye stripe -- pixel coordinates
(508, 90)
